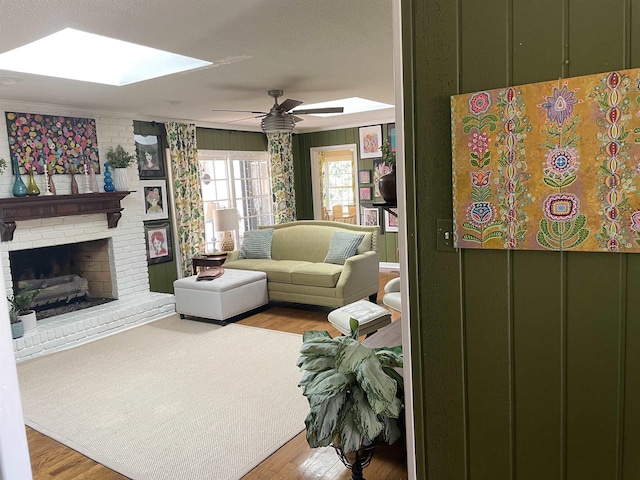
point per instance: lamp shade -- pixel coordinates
(225, 219)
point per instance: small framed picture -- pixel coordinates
(158, 239)
(149, 150)
(391, 135)
(370, 141)
(364, 176)
(365, 193)
(369, 217)
(155, 199)
(391, 220)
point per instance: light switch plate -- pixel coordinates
(445, 235)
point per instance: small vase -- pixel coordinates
(17, 330)
(29, 320)
(32, 188)
(108, 182)
(120, 179)
(52, 186)
(93, 183)
(387, 186)
(19, 188)
(74, 184)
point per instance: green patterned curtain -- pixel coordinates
(284, 197)
(187, 192)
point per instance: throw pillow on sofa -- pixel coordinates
(343, 245)
(257, 244)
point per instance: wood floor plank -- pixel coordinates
(293, 461)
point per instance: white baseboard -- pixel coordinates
(389, 267)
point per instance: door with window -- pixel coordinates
(333, 176)
(235, 179)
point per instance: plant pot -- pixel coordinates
(387, 186)
(29, 320)
(17, 330)
(120, 179)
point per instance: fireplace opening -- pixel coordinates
(70, 277)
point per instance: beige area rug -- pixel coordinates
(173, 399)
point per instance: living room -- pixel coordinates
(127, 248)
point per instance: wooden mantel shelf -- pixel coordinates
(45, 206)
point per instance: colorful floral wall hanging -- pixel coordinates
(53, 142)
(549, 166)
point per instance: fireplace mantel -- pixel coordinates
(29, 208)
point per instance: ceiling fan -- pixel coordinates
(280, 118)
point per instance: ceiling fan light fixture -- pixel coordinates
(278, 123)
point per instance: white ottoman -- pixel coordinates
(370, 317)
(233, 293)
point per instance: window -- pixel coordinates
(236, 179)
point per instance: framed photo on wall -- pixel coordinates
(369, 217)
(158, 239)
(391, 221)
(149, 151)
(154, 194)
(364, 176)
(370, 141)
(365, 193)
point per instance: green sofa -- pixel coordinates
(297, 273)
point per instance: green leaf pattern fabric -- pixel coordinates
(284, 197)
(187, 192)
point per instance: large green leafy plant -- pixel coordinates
(354, 392)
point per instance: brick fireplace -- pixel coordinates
(123, 248)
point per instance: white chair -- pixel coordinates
(392, 296)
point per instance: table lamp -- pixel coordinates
(225, 220)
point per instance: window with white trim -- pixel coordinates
(235, 179)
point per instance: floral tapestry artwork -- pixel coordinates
(549, 166)
(53, 142)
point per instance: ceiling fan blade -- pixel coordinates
(298, 119)
(239, 111)
(288, 104)
(319, 110)
(245, 118)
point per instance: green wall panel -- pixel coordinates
(537, 334)
(527, 363)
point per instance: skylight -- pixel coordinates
(94, 58)
(351, 105)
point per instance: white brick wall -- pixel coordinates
(129, 271)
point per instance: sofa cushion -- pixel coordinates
(317, 274)
(257, 244)
(343, 245)
(365, 244)
(276, 270)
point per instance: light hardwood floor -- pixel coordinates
(295, 460)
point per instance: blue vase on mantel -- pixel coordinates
(19, 188)
(108, 181)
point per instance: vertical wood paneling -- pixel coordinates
(484, 66)
(631, 412)
(487, 352)
(537, 34)
(596, 36)
(537, 336)
(592, 364)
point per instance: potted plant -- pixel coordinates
(387, 183)
(119, 159)
(354, 392)
(17, 327)
(21, 303)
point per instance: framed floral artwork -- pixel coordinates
(365, 193)
(155, 199)
(370, 141)
(364, 176)
(391, 220)
(149, 151)
(158, 240)
(369, 217)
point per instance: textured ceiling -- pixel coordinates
(315, 51)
